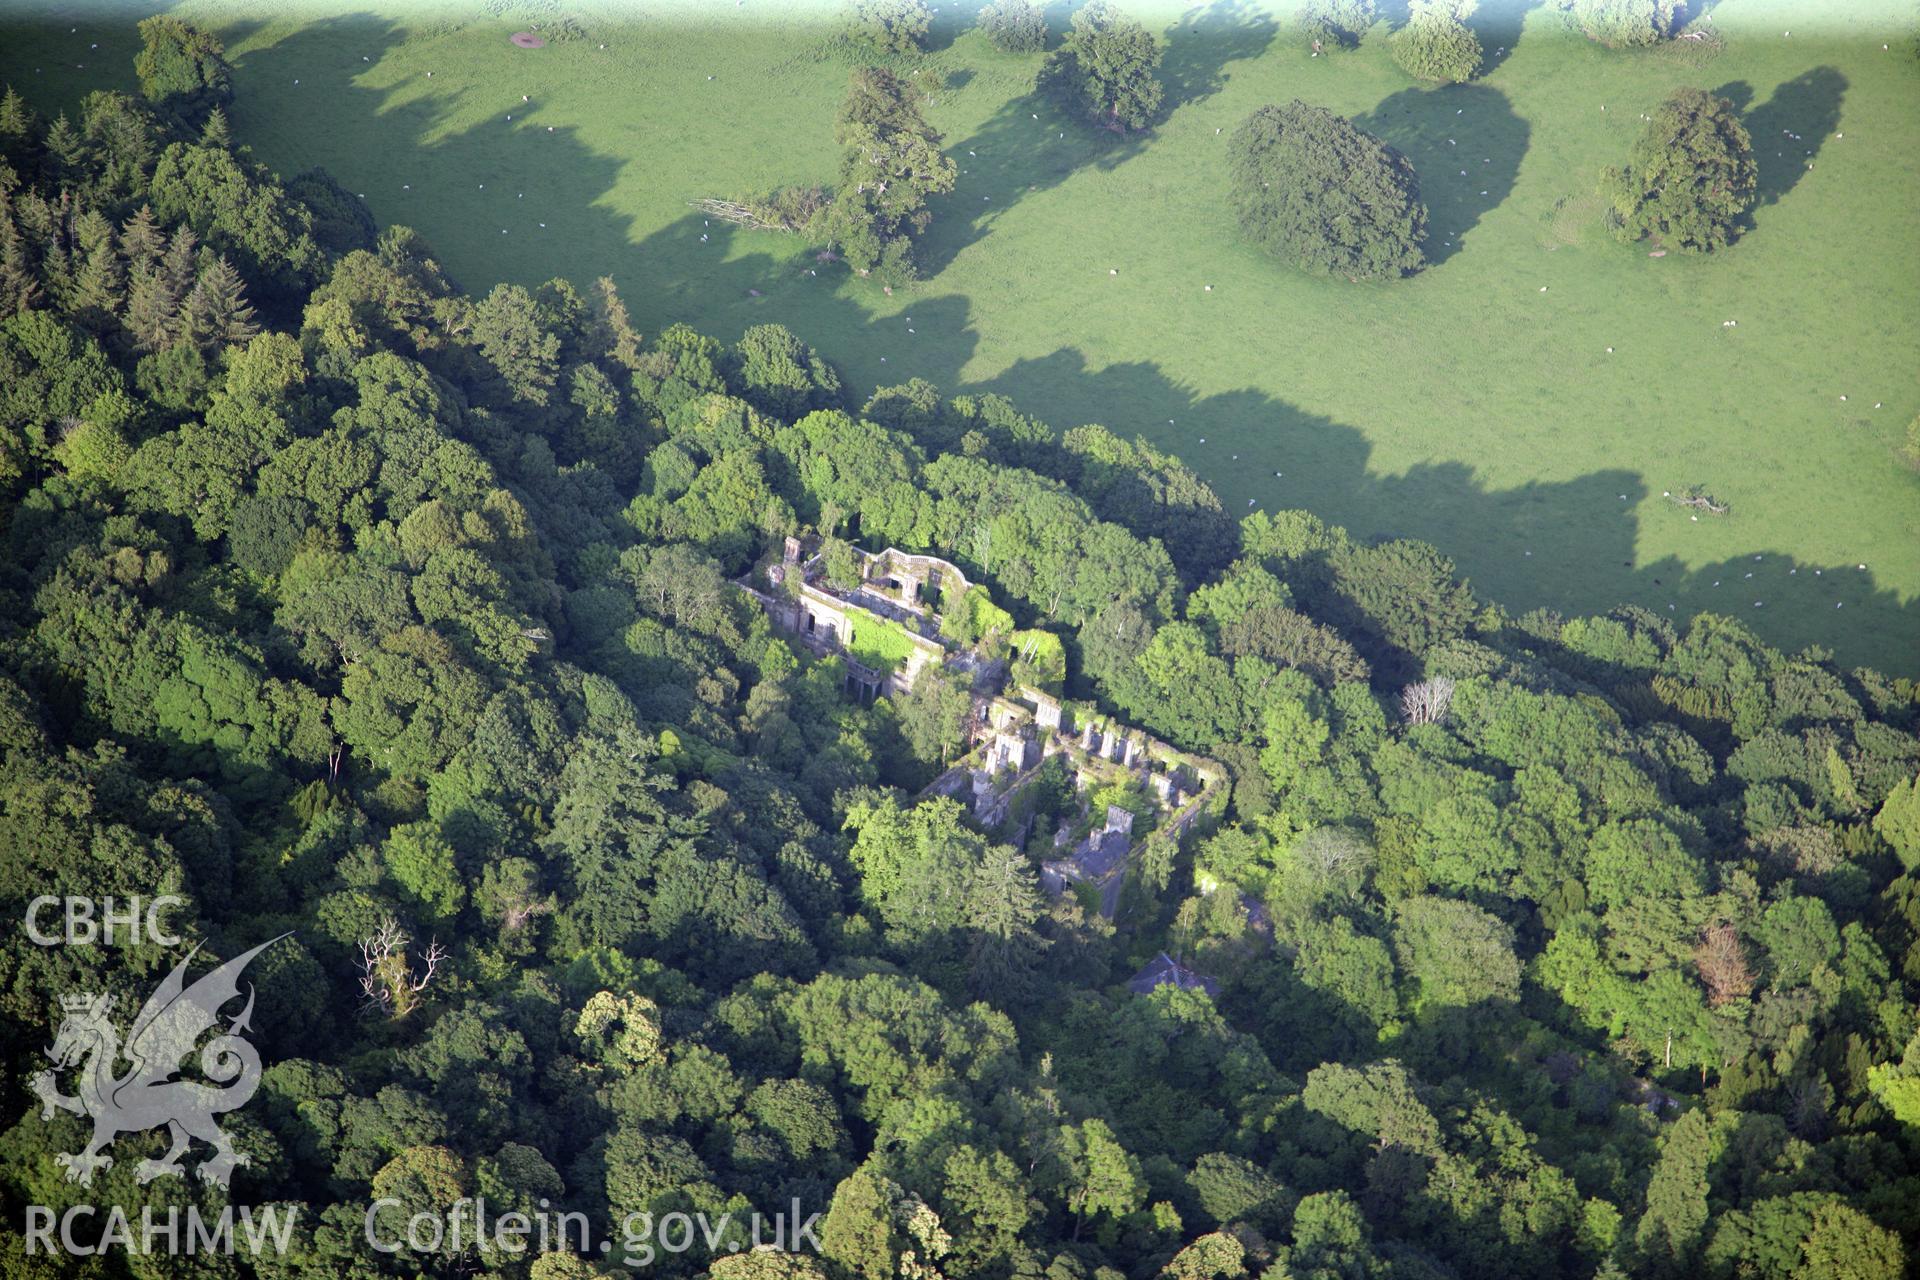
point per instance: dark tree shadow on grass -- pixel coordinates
(1513, 542)
(1499, 26)
(949, 22)
(479, 194)
(1032, 145)
(1205, 41)
(56, 56)
(1468, 127)
(1790, 128)
(1323, 465)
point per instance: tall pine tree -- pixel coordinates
(16, 129)
(98, 282)
(609, 331)
(217, 312)
(217, 133)
(142, 242)
(66, 151)
(153, 312)
(181, 265)
(19, 288)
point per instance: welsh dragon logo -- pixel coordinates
(147, 1096)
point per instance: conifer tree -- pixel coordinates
(217, 311)
(1003, 902)
(56, 271)
(216, 132)
(66, 151)
(19, 289)
(16, 128)
(1671, 1230)
(16, 117)
(153, 312)
(181, 266)
(90, 229)
(98, 284)
(142, 242)
(610, 331)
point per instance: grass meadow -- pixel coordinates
(1523, 403)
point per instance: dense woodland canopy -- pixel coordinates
(340, 600)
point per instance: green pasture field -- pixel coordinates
(1477, 406)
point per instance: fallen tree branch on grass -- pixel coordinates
(740, 215)
(1698, 498)
(789, 210)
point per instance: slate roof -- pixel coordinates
(1163, 970)
(1101, 852)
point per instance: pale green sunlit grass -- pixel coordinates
(1464, 406)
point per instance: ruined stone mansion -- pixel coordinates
(895, 588)
(1025, 727)
(1012, 733)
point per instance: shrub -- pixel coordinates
(1690, 177)
(1105, 70)
(889, 27)
(1617, 23)
(1437, 44)
(1310, 187)
(181, 68)
(1337, 24)
(1014, 26)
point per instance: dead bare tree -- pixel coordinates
(1428, 701)
(1333, 854)
(389, 983)
(516, 915)
(1722, 963)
